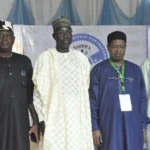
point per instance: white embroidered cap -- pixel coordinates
(6, 25)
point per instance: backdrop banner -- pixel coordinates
(91, 40)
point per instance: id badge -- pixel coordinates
(125, 102)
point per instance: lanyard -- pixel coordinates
(121, 74)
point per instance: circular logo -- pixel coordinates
(90, 46)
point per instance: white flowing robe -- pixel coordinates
(145, 67)
(61, 99)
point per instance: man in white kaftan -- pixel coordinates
(61, 78)
(146, 73)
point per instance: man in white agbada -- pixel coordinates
(61, 78)
(146, 73)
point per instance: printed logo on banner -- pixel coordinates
(90, 46)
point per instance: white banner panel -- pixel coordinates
(91, 40)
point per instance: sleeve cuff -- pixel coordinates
(95, 125)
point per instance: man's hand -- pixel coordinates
(97, 138)
(34, 129)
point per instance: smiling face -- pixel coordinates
(63, 38)
(6, 41)
(116, 49)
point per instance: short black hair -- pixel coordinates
(116, 35)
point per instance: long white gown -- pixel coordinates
(61, 99)
(145, 67)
